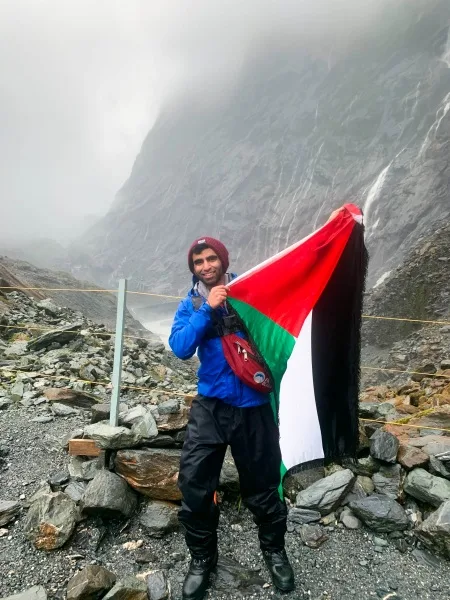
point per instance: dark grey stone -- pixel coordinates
(8, 511)
(427, 487)
(384, 446)
(326, 494)
(380, 513)
(158, 587)
(303, 516)
(90, 583)
(435, 531)
(109, 496)
(388, 481)
(159, 518)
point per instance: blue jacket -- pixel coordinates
(215, 377)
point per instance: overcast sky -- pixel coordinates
(81, 82)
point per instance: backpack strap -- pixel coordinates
(221, 324)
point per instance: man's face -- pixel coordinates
(207, 267)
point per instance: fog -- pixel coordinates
(83, 81)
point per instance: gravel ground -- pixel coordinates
(346, 566)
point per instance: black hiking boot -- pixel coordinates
(280, 570)
(197, 578)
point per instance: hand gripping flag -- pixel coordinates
(302, 310)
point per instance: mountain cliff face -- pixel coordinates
(297, 137)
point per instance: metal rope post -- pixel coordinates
(118, 351)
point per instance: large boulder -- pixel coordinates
(151, 471)
(159, 518)
(435, 531)
(90, 583)
(427, 487)
(326, 494)
(380, 513)
(108, 495)
(51, 520)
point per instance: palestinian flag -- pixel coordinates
(302, 311)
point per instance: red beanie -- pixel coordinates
(215, 245)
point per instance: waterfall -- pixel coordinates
(374, 192)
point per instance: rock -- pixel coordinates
(17, 391)
(37, 592)
(231, 575)
(380, 513)
(362, 487)
(90, 468)
(129, 417)
(56, 480)
(100, 412)
(426, 368)
(384, 446)
(389, 481)
(303, 516)
(61, 410)
(431, 444)
(435, 530)
(376, 410)
(439, 418)
(151, 471)
(427, 487)
(159, 518)
(43, 419)
(60, 336)
(71, 397)
(169, 407)
(349, 520)
(364, 466)
(326, 494)
(108, 496)
(16, 349)
(313, 536)
(109, 437)
(48, 307)
(410, 457)
(173, 421)
(144, 428)
(90, 583)
(128, 588)
(294, 482)
(158, 587)
(51, 520)
(437, 467)
(75, 490)
(5, 403)
(8, 511)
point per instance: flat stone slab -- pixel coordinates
(424, 486)
(37, 592)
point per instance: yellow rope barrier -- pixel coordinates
(407, 320)
(404, 424)
(102, 291)
(400, 371)
(103, 383)
(98, 333)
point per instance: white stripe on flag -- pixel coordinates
(300, 435)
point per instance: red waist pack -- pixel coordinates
(245, 365)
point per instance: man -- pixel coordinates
(225, 412)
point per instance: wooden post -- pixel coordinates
(118, 351)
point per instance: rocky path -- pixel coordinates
(348, 565)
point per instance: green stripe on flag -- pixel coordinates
(274, 344)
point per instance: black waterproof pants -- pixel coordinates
(253, 437)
